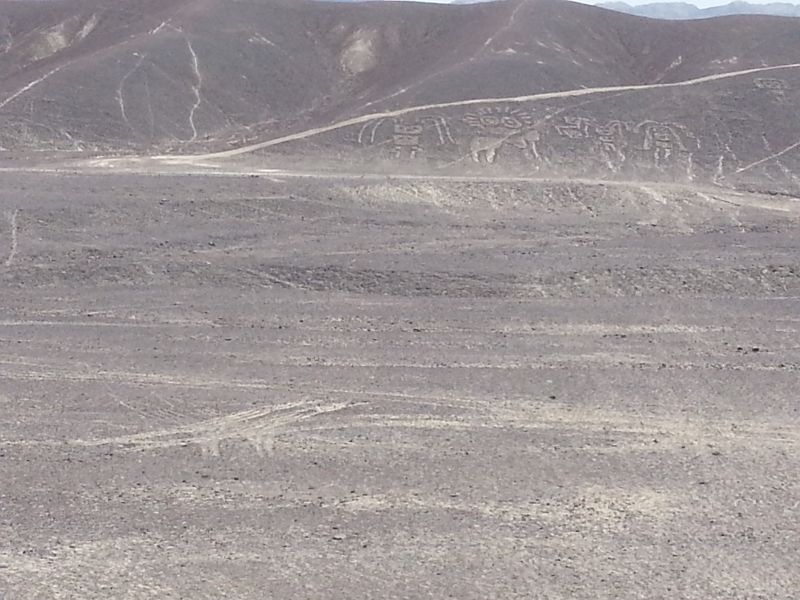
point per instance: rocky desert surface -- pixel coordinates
(405, 324)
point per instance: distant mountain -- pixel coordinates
(682, 10)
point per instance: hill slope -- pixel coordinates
(194, 76)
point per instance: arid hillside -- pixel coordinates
(202, 76)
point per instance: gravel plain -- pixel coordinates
(247, 387)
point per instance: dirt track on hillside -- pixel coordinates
(247, 149)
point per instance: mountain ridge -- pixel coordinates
(687, 11)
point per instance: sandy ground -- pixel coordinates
(244, 388)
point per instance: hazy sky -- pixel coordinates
(700, 3)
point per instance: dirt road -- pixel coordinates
(476, 101)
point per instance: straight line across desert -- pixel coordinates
(335, 300)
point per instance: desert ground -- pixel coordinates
(307, 300)
(277, 386)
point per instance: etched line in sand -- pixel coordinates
(784, 169)
(121, 324)
(257, 427)
(502, 30)
(628, 430)
(733, 210)
(769, 158)
(195, 89)
(510, 99)
(590, 507)
(159, 28)
(121, 91)
(42, 372)
(12, 253)
(150, 114)
(31, 85)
